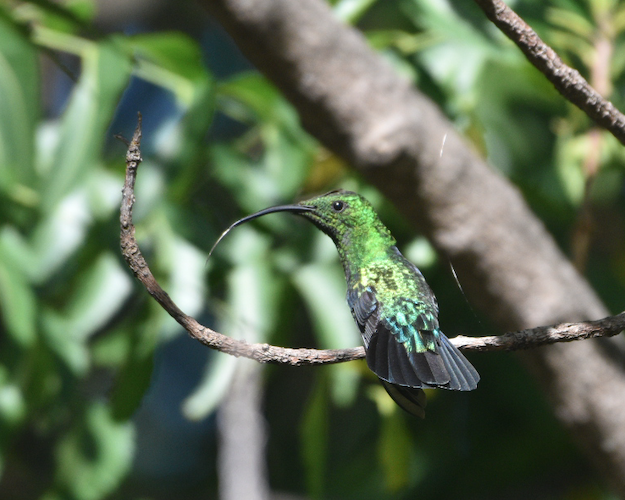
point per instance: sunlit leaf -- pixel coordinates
(352, 10)
(105, 72)
(12, 403)
(15, 249)
(461, 52)
(59, 233)
(186, 266)
(420, 252)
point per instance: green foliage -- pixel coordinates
(78, 336)
(64, 291)
(314, 435)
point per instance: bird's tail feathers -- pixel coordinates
(409, 399)
(462, 375)
(447, 368)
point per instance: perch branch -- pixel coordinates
(265, 353)
(565, 79)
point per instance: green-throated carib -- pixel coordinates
(390, 301)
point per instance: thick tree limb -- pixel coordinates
(358, 107)
(265, 353)
(565, 79)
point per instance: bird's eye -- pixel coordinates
(338, 206)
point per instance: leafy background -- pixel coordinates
(103, 396)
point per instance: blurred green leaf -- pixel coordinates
(69, 17)
(131, 351)
(572, 154)
(350, 11)
(394, 449)
(15, 249)
(461, 52)
(58, 234)
(571, 21)
(97, 296)
(102, 193)
(132, 382)
(322, 286)
(94, 456)
(286, 159)
(252, 302)
(259, 97)
(314, 435)
(171, 51)
(421, 252)
(285, 150)
(61, 340)
(249, 185)
(105, 73)
(12, 404)
(19, 108)
(220, 368)
(17, 302)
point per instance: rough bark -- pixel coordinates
(355, 104)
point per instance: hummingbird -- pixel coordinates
(390, 301)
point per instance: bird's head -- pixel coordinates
(345, 216)
(340, 214)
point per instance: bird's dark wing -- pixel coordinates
(407, 347)
(405, 355)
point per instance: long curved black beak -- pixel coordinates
(260, 213)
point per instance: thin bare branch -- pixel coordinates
(543, 335)
(265, 353)
(566, 80)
